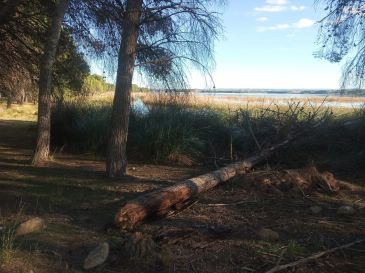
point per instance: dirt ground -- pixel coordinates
(219, 232)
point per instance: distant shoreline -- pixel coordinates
(329, 92)
(236, 99)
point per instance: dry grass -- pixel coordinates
(232, 102)
(239, 102)
(26, 112)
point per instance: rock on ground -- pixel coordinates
(97, 256)
(315, 209)
(268, 235)
(346, 210)
(33, 225)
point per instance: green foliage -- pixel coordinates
(166, 132)
(6, 244)
(23, 37)
(294, 249)
(136, 88)
(70, 68)
(81, 126)
(95, 84)
(341, 36)
(7, 238)
(169, 131)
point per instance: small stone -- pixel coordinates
(346, 210)
(268, 235)
(97, 256)
(31, 226)
(315, 209)
(85, 206)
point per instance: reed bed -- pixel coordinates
(237, 102)
(180, 129)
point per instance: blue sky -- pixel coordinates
(267, 44)
(270, 44)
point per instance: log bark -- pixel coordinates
(160, 201)
(116, 162)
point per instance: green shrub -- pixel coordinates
(6, 244)
(80, 127)
(171, 130)
(162, 134)
(174, 132)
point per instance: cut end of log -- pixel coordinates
(123, 221)
(129, 216)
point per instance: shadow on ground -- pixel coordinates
(218, 233)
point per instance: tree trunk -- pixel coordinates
(116, 155)
(22, 96)
(160, 201)
(45, 80)
(8, 102)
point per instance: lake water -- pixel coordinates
(262, 95)
(232, 96)
(141, 108)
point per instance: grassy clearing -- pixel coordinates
(25, 112)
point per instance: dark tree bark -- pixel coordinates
(116, 155)
(45, 80)
(8, 102)
(7, 10)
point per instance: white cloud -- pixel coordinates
(262, 19)
(297, 8)
(273, 28)
(282, 26)
(304, 23)
(277, 2)
(270, 8)
(278, 6)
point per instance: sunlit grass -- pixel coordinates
(247, 102)
(26, 112)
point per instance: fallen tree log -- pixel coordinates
(160, 201)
